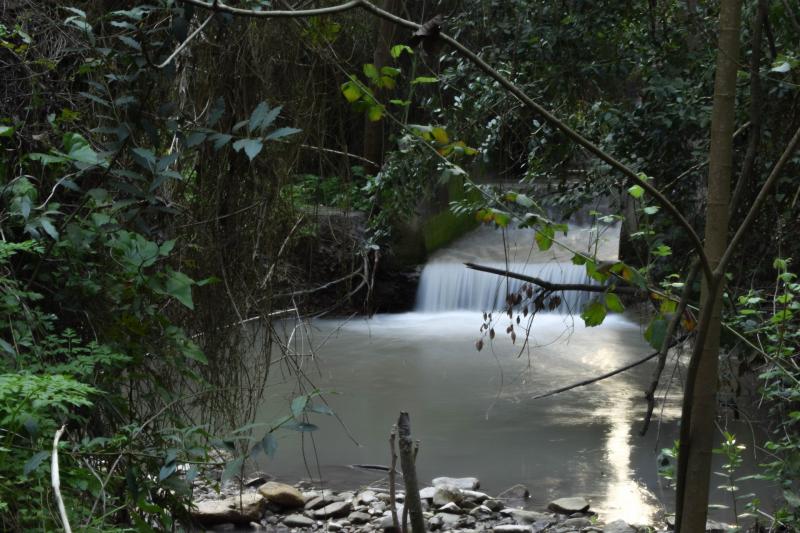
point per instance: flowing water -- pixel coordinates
(473, 411)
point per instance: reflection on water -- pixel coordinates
(474, 412)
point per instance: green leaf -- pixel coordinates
(49, 228)
(544, 237)
(299, 405)
(322, 409)
(179, 286)
(78, 149)
(167, 470)
(651, 210)
(613, 303)
(257, 117)
(352, 92)
(220, 139)
(390, 71)
(371, 71)
(655, 332)
(375, 113)
(594, 313)
(252, 147)
(402, 103)
(269, 444)
(34, 462)
(232, 468)
(281, 133)
(636, 191)
(6, 131)
(424, 79)
(398, 49)
(440, 134)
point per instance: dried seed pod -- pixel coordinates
(491, 333)
(517, 319)
(513, 338)
(529, 291)
(525, 311)
(509, 329)
(479, 344)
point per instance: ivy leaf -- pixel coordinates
(179, 286)
(252, 147)
(593, 314)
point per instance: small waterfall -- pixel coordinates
(447, 285)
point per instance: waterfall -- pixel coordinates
(447, 285)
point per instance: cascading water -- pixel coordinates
(447, 285)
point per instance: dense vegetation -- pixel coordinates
(155, 196)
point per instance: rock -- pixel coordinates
(224, 527)
(335, 526)
(526, 517)
(316, 503)
(386, 523)
(517, 492)
(718, 527)
(359, 518)
(445, 494)
(468, 483)
(211, 512)
(480, 510)
(475, 496)
(334, 510)
(577, 523)
(512, 528)
(257, 479)
(494, 505)
(366, 497)
(450, 508)
(427, 493)
(346, 496)
(569, 505)
(618, 526)
(298, 520)
(282, 494)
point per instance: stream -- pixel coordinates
(474, 412)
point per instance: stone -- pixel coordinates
(718, 527)
(316, 503)
(282, 494)
(212, 512)
(450, 508)
(359, 517)
(512, 528)
(480, 510)
(334, 510)
(475, 496)
(257, 479)
(521, 516)
(618, 526)
(468, 483)
(346, 496)
(445, 494)
(494, 505)
(386, 523)
(366, 497)
(224, 527)
(577, 523)
(569, 505)
(427, 493)
(298, 520)
(335, 526)
(516, 492)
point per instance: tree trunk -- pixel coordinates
(374, 134)
(412, 500)
(700, 396)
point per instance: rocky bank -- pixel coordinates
(450, 504)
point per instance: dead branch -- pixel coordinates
(406, 447)
(392, 480)
(56, 481)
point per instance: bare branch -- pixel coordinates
(556, 286)
(596, 379)
(185, 43)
